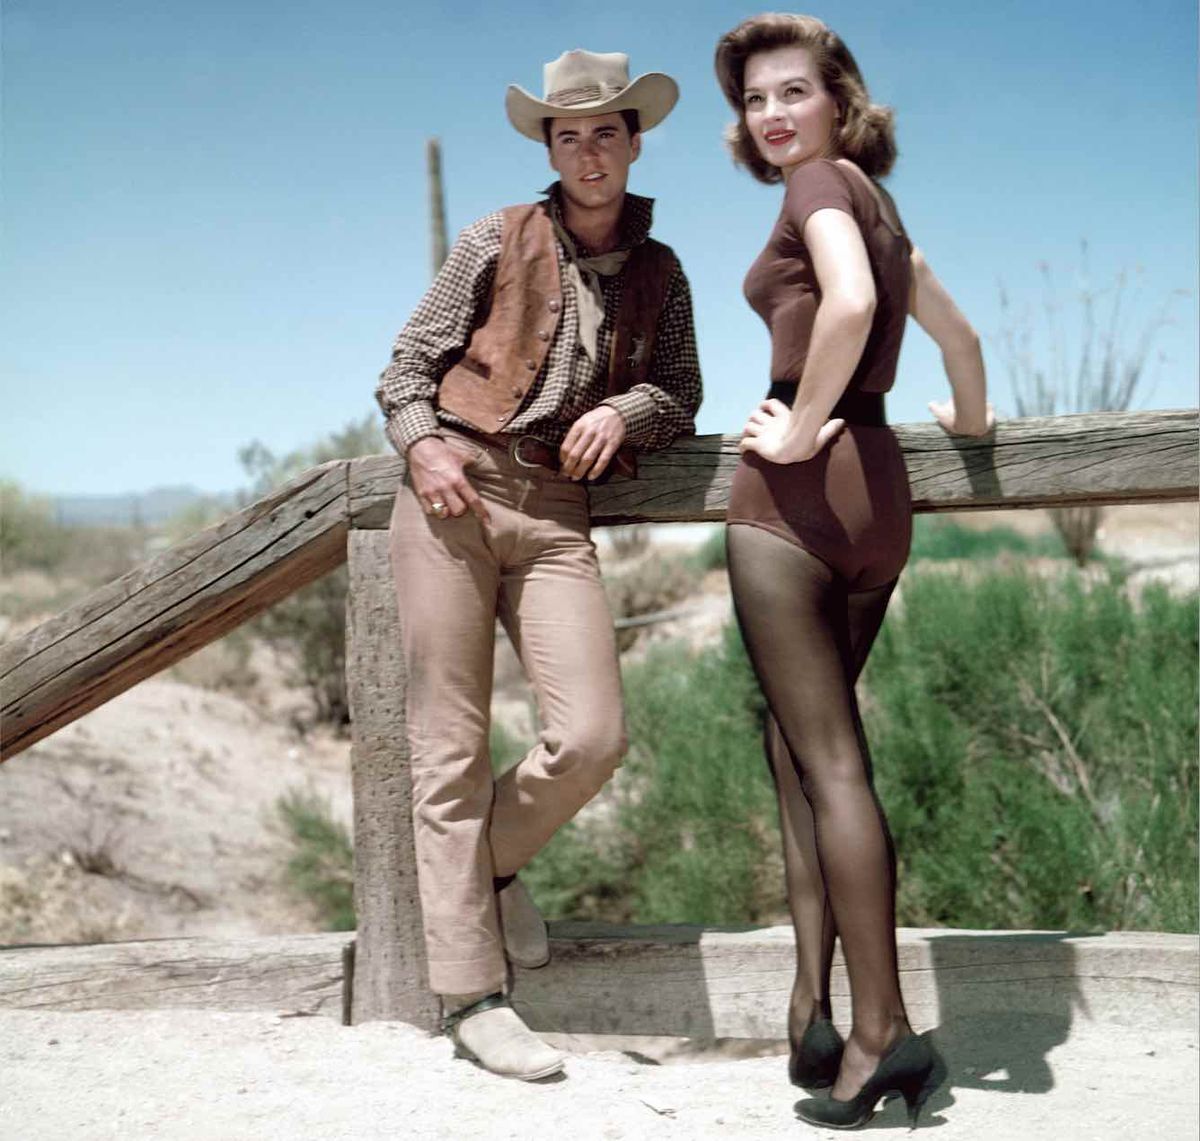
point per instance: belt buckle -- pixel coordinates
(515, 451)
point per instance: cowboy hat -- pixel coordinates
(580, 84)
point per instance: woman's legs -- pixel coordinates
(807, 901)
(795, 614)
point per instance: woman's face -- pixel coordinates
(788, 112)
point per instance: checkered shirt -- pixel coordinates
(568, 384)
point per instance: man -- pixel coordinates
(556, 339)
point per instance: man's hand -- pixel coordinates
(436, 470)
(767, 434)
(592, 441)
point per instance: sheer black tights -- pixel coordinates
(808, 636)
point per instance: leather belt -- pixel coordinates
(865, 408)
(527, 451)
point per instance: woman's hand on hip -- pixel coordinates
(767, 433)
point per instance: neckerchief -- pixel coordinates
(583, 275)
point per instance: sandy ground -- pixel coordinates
(191, 1075)
(155, 815)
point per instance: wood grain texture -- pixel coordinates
(295, 974)
(389, 956)
(1100, 458)
(686, 981)
(162, 611)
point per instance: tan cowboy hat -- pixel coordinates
(580, 84)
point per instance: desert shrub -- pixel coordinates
(711, 554)
(310, 625)
(630, 540)
(692, 835)
(321, 866)
(1035, 745)
(1035, 748)
(655, 582)
(197, 515)
(48, 899)
(935, 537)
(1081, 356)
(506, 750)
(31, 538)
(225, 664)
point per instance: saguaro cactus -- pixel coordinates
(437, 205)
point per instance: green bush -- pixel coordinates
(657, 581)
(711, 554)
(321, 866)
(1034, 743)
(693, 835)
(310, 625)
(936, 537)
(31, 538)
(1035, 747)
(29, 535)
(506, 750)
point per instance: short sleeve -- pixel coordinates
(813, 186)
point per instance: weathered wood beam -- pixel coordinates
(1098, 458)
(687, 981)
(162, 611)
(390, 975)
(299, 974)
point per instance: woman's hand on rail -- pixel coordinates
(769, 433)
(946, 414)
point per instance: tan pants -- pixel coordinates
(535, 566)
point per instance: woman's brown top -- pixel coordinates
(782, 286)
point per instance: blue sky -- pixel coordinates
(215, 218)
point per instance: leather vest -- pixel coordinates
(505, 354)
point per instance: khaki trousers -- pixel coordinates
(534, 565)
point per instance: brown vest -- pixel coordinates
(506, 352)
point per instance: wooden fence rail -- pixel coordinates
(205, 586)
(219, 578)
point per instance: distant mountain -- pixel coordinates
(148, 507)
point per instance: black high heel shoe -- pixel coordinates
(911, 1068)
(813, 1062)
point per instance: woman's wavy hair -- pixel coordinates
(864, 131)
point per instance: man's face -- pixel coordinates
(592, 157)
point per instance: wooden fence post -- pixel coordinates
(390, 978)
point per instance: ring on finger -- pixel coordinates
(438, 508)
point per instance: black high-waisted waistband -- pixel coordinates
(864, 408)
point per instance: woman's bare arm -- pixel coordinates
(967, 413)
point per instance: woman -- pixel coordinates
(820, 521)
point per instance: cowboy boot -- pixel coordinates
(526, 940)
(490, 1033)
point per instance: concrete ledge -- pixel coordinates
(702, 983)
(674, 980)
